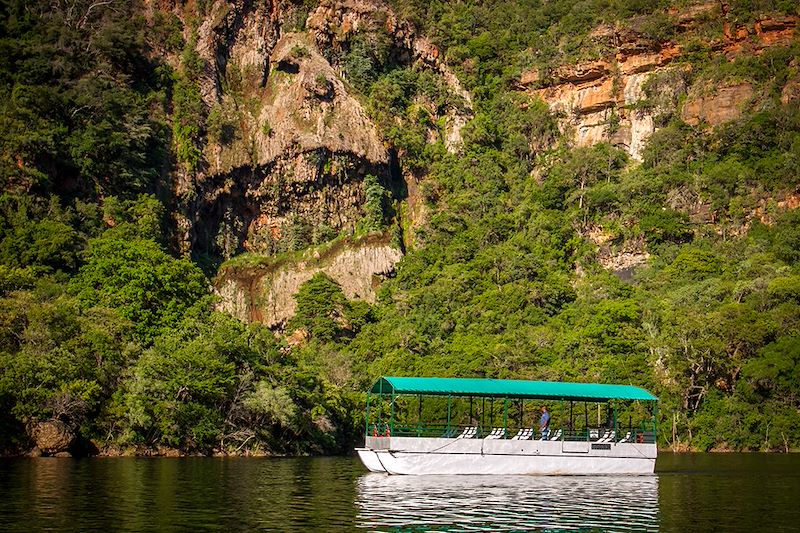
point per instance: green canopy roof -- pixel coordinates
(510, 388)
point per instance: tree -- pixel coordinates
(322, 309)
(147, 286)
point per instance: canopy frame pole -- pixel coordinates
(391, 417)
(615, 420)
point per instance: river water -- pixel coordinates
(692, 492)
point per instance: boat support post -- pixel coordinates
(391, 416)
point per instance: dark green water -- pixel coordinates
(700, 492)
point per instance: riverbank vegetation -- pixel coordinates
(105, 327)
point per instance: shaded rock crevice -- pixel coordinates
(249, 208)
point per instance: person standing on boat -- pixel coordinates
(544, 423)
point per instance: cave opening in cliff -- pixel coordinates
(290, 67)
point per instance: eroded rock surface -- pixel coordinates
(266, 293)
(714, 106)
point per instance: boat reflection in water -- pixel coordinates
(511, 503)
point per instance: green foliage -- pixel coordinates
(142, 218)
(694, 264)
(666, 225)
(375, 205)
(166, 30)
(273, 403)
(324, 312)
(364, 60)
(178, 389)
(102, 328)
(40, 236)
(186, 120)
(787, 237)
(221, 127)
(58, 360)
(77, 94)
(147, 286)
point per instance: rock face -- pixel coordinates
(335, 20)
(52, 436)
(619, 98)
(717, 105)
(264, 293)
(286, 142)
(286, 147)
(303, 107)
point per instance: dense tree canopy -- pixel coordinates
(104, 327)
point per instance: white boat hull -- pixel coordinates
(418, 456)
(370, 460)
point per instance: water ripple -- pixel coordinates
(512, 503)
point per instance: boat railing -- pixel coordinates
(620, 436)
(445, 431)
(592, 434)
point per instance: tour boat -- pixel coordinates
(491, 427)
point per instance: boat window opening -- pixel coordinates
(505, 417)
(482, 422)
(585, 415)
(571, 427)
(449, 409)
(391, 417)
(366, 416)
(491, 416)
(380, 407)
(419, 414)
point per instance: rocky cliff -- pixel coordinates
(621, 96)
(286, 144)
(639, 82)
